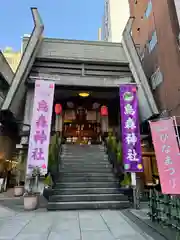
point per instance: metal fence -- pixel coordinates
(165, 209)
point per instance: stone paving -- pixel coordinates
(67, 225)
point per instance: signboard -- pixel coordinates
(40, 126)
(167, 155)
(132, 155)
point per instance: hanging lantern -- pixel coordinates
(58, 109)
(104, 111)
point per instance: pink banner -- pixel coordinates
(167, 155)
(40, 126)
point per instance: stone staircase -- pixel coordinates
(86, 181)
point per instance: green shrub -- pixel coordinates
(127, 180)
(53, 153)
(119, 153)
(111, 141)
(48, 181)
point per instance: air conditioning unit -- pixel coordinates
(156, 79)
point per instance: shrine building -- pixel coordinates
(87, 76)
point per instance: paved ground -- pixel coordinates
(68, 225)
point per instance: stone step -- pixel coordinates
(86, 170)
(86, 185)
(79, 151)
(81, 154)
(75, 191)
(86, 179)
(91, 159)
(84, 156)
(88, 205)
(89, 197)
(82, 147)
(87, 165)
(72, 168)
(86, 174)
(84, 162)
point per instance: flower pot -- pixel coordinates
(47, 193)
(31, 202)
(18, 191)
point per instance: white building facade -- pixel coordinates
(116, 14)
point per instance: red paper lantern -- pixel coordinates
(58, 108)
(104, 111)
(134, 89)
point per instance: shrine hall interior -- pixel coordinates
(81, 117)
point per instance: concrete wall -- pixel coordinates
(80, 50)
(165, 55)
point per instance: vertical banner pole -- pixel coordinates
(133, 183)
(131, 140)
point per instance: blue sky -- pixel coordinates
(69, 19)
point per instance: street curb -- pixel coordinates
(154, 230)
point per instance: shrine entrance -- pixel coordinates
(86, 115)
(82, 125)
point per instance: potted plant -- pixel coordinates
(19, 188)
(31, 197)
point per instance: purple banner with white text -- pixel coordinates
(40, 126)
(131, 142)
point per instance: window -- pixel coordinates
(156, 79)
(148, 9)
(152, 43)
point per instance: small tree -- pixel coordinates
(127, 180)
(53, 154)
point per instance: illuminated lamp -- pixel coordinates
(58, 109)
(104, 111)
(84, 94)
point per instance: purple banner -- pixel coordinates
(131, 142)
(40, 126)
